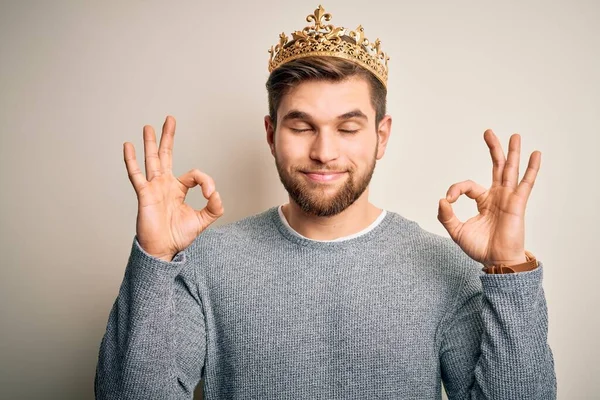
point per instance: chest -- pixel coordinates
(309, 311)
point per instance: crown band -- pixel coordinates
(327, 40)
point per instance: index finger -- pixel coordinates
(165, 150)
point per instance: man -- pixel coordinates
(328, 296)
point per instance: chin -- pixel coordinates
(324, 209)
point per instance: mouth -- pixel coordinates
(323, 176)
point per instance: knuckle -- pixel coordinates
(134, 173)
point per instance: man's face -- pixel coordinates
(326, 144)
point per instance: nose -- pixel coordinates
(325, 147)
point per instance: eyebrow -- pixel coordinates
(297, 114)
(354, 114)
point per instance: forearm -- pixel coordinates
(137, 357)
(516, 361)
(496, 346)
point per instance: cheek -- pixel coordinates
(361, 152)
(285, 155)
(289, 149)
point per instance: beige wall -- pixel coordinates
(77, 80)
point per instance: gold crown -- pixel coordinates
(327, 40)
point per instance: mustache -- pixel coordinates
(322, 168)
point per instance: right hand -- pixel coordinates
(165, 224)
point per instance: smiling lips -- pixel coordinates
(323, 176)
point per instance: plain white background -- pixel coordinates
(79, 79)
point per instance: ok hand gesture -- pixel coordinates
(497, 234)
(165, 224)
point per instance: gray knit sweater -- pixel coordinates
(262, 313)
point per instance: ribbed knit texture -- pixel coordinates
(264, 314)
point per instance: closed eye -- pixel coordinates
(348, 131)
(300, 130)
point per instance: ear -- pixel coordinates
(270, 130)
(383, 134)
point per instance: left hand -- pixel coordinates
(497, 234)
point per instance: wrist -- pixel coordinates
(527, 263)
(511, 262)
(167, 258)
(502, 258)
(161, 255)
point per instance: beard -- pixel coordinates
(312, 198)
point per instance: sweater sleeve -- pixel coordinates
(494, 342)
(154, 345)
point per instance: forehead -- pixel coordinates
(326, 100)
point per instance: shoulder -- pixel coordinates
(252, 228)
(435, 254)
(411, 232)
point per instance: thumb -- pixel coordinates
(448, 219)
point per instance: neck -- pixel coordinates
(352, 220)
